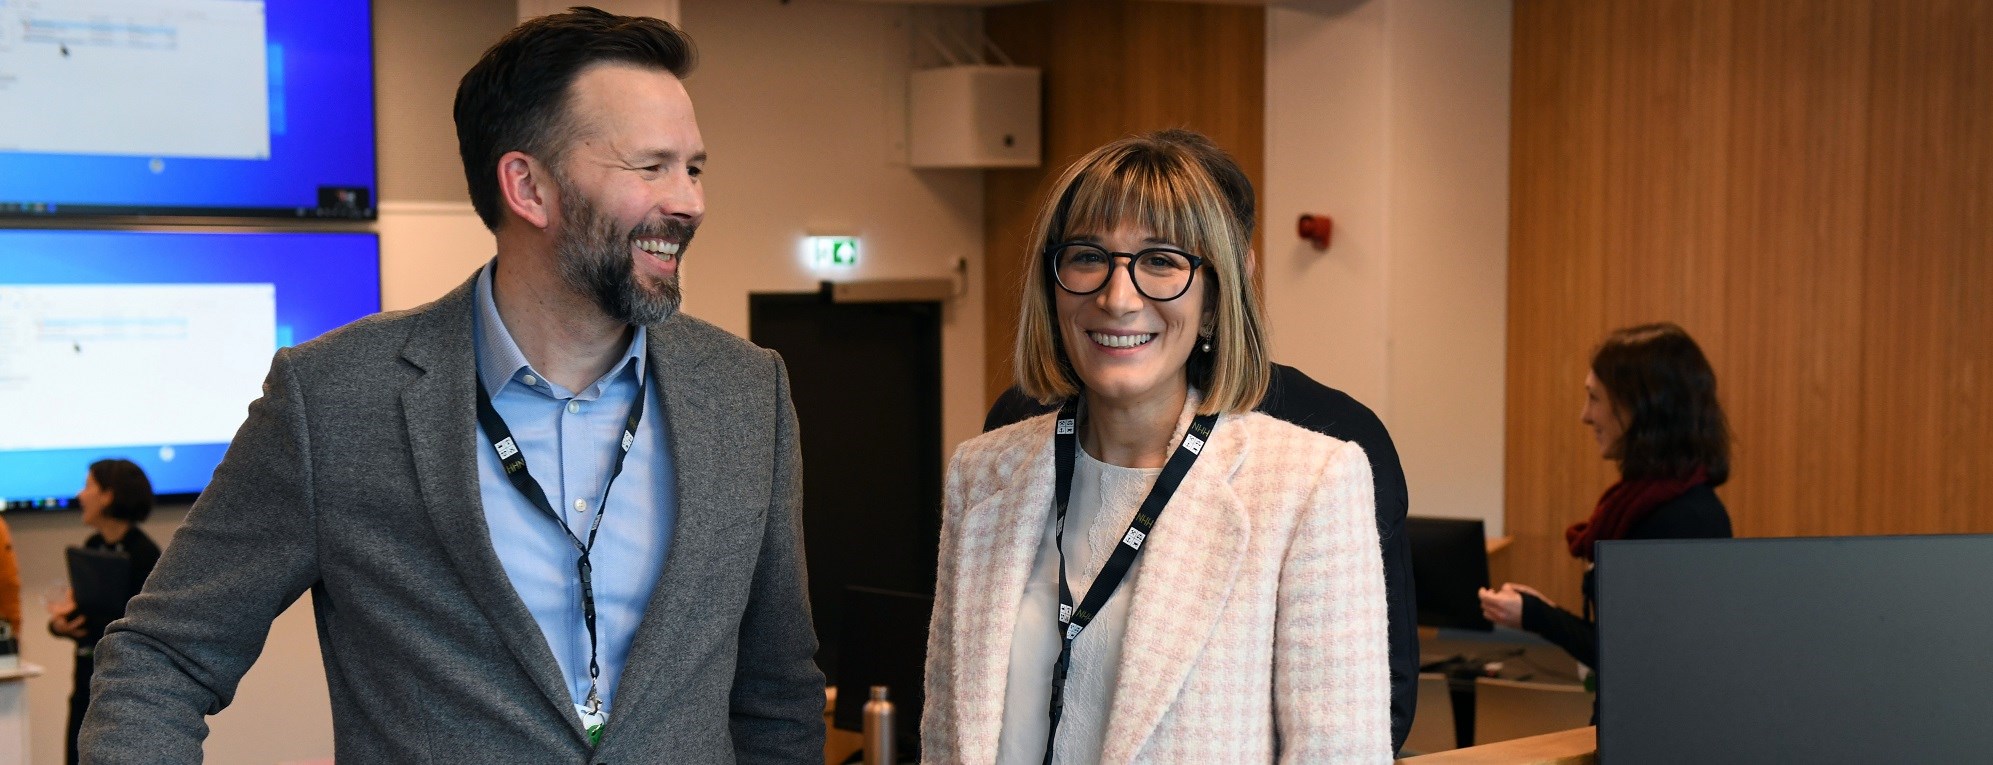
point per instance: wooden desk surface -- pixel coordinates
(1578, 746)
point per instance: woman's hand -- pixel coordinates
(1504, 606)
(63, 620)
(70, 626)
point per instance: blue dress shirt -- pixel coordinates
(570, 439)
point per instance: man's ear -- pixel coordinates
(527, 188)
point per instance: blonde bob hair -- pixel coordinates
(1176, 184)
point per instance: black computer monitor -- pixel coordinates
(885, 643)
(1449, 567)
(1828, 650)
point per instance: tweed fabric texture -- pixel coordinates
(1257, 633)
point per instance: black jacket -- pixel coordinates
(1295, 398)
(1697, 514)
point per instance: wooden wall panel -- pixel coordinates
(1928, 335)
(1807, 187)
(1112, 68)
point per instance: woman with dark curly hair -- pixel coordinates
(1650, 401)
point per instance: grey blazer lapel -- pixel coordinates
(440, 411)
(665, 646)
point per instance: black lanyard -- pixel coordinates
(1074, 620)
(514, 462)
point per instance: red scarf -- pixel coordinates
(1622, 506)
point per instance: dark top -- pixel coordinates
(1295, 398)
(144, 555)
(1697, 514)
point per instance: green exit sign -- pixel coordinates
(834, 251)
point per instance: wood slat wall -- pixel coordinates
(1112, 68)
(1807, 187)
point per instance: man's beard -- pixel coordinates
(596, 259)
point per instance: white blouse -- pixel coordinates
(1105, 498)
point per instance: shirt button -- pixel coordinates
(573, 406)
(581, 505)
(530, 380)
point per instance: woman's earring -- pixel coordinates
(1207, 343)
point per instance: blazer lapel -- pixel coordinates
(697, 431)
(439, 409)
(1188, 567)
(1000, 538)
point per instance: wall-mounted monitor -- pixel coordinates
(151, 345)
(208, 108)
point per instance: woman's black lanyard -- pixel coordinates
(514, 463)
(1074, 620)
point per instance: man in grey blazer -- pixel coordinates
(543, 511)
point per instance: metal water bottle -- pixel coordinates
(879, 729)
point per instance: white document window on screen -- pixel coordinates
(146, 78)
(87, 341)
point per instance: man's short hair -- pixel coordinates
(516, 97)
(1184, 189)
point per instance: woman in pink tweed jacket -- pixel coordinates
(1251, 627)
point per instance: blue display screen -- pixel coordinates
(187, 107)
(150, 345)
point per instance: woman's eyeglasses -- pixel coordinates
(1159, 273)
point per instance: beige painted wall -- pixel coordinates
(421, 49)
(802, 106)
(1392, 117)
(427, 249)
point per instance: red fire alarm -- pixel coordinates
(1315, 229)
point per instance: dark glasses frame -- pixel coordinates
(1051, 254)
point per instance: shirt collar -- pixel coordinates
(499, 359)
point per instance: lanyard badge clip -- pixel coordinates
(593, 719)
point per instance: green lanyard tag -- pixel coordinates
(592, 722)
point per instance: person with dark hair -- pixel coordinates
(1157, 572)
(1650, 401)
(1293, 396)
(547, 518)
(116, 498)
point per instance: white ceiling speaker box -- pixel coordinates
(974, 116)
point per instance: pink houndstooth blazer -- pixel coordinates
(1257, 632)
